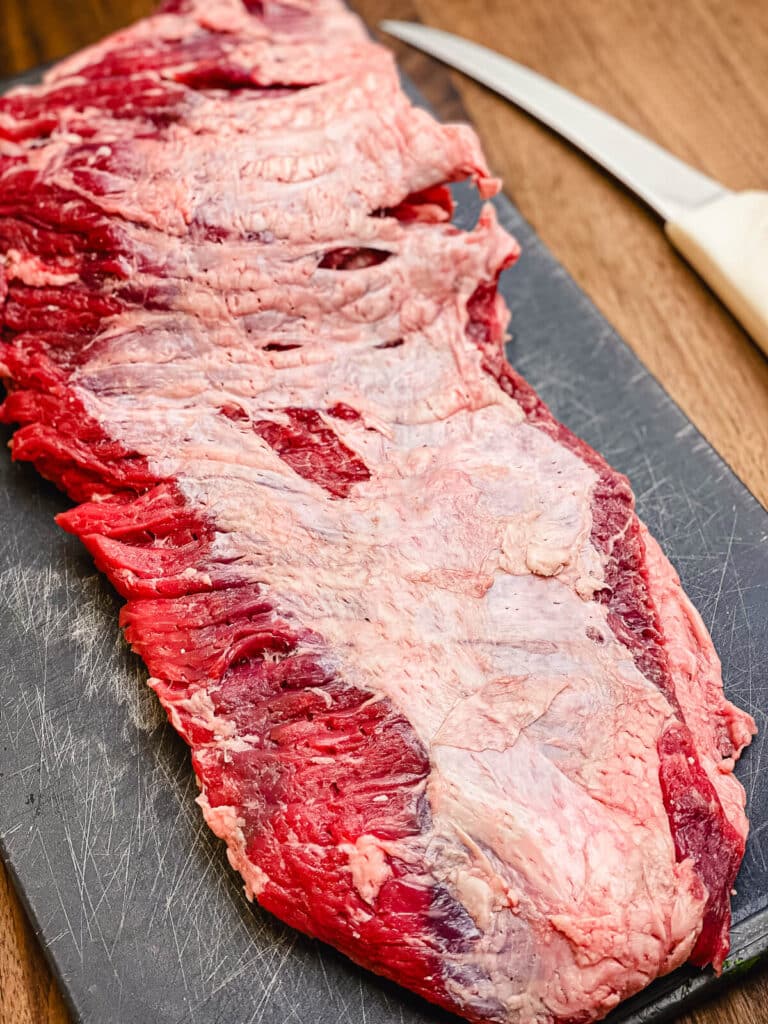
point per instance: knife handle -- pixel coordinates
(726, 241)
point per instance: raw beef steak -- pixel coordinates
(447, 703)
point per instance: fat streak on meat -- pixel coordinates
(448, 705)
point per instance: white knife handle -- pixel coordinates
(726, 241)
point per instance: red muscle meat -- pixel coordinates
(447, 703)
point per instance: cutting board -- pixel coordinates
(138, 911)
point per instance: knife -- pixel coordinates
(722, 234)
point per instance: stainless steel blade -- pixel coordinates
(663, 181)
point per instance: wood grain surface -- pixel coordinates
(689, 73)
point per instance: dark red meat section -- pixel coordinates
(314, 451)
(702, 832)
(309, 447)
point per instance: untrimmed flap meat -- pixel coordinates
(448, 705)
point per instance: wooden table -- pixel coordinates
(689, 73)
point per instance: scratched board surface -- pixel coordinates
(132, 896)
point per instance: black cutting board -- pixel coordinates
(139, 913)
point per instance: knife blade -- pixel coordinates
(722, 234)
